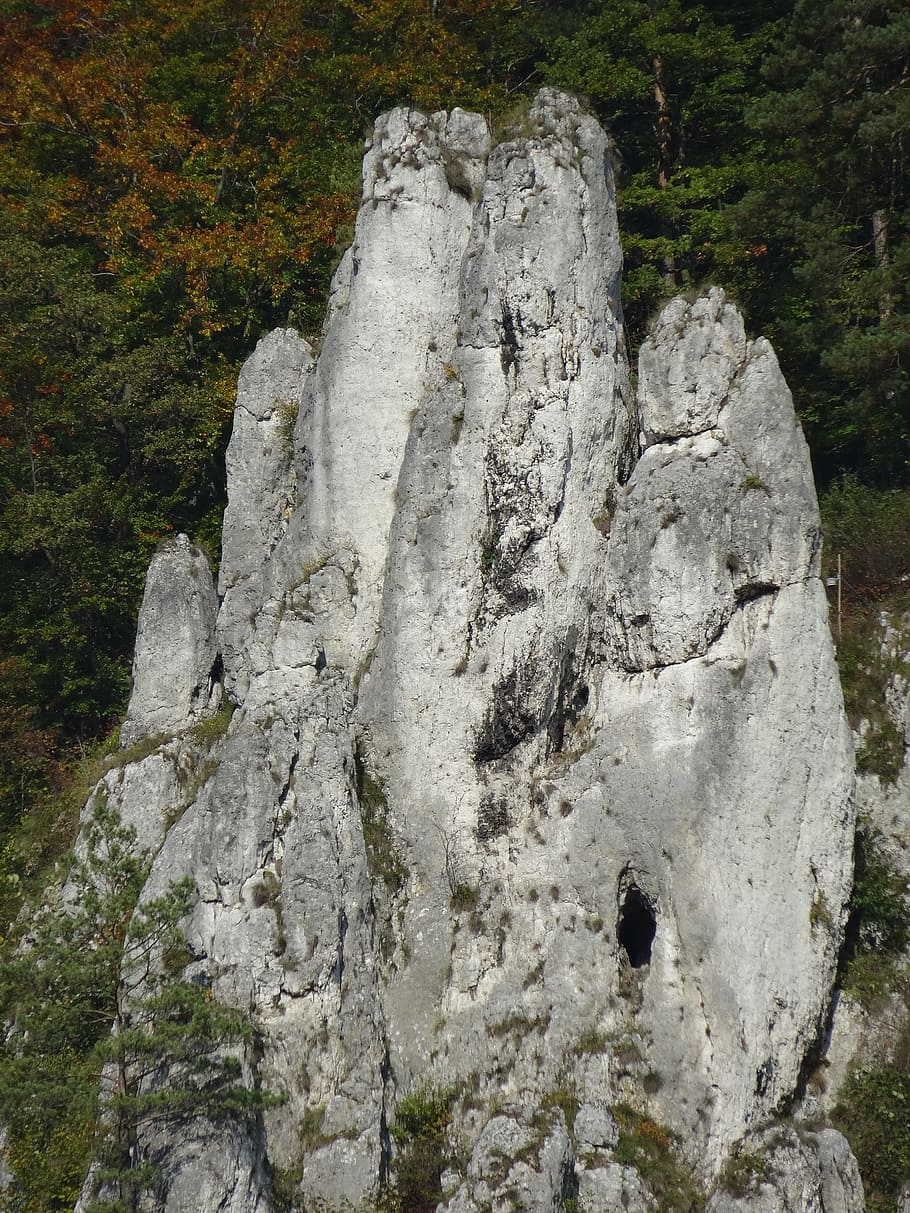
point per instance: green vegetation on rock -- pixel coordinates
(420, 1133)
(874, 1113)
(878, 928)
(653, 1151)
(95, 989)
(867, 538)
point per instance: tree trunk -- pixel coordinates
(880, 224)
(664, 159)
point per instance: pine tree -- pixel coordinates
(106, 1039)
(671, 80)
(828, 205)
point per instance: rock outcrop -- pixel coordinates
(810, 1171)
(175, 675)
(537, 794)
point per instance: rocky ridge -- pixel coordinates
(537, 790)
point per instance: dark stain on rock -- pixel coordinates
(507, 723)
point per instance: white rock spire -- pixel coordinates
(538, 789)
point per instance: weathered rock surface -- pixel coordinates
(805, 1171)
(538, 786)
(262, 486)
(720, 512)
(174, 672)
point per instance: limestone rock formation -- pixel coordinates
(174, 669)
(261, 485)
(536, 797)
(811, 1171)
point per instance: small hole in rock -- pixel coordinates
(637, 926)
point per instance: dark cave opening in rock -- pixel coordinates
(637, 927)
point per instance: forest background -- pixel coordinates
(178, 177)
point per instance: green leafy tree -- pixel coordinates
(106, 436)
(26, 751)
(874, 1113)
(106, 1040)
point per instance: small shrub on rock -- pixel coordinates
(420, 1132)
(651, 1149)
(873, 1112)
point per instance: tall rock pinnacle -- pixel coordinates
(537, 794)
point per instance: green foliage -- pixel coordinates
(103, 436)
(865, 672)
(464, 897)
(652, 1150)
(758, 147)
(208, 731)
(420, 1132)
(383, 850)
(139, 750)
(882, 750)
(43, 835)
(97, 988)
(58, 996)
(425, 1112)
(592, 1041)
(874, 1114)
(27, 766)
(869, 977)
(287, 412)
(671, 81)
(879, 898)
(869, 529)
(878, 928)
(743, 1172)
(565, 1100)
(826, 210)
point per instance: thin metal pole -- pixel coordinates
(839, 581)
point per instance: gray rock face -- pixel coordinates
(684, 384)
(538, 786)
(174, 666)
(262, 485)
(401, 273)
(790, 1172)
(721, 511)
